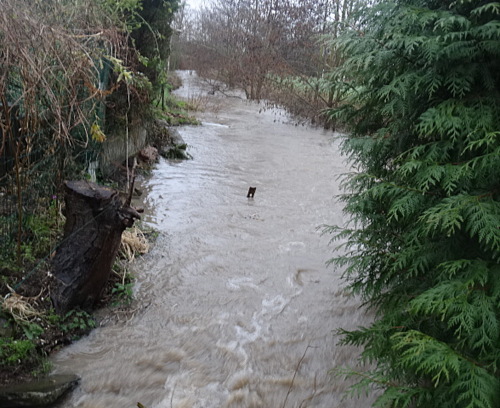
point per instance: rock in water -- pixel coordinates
(39, 393)
(149, 154)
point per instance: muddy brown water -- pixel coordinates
(235, 304)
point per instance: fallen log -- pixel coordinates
(95, 219)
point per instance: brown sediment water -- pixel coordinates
(235, 305)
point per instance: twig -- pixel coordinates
(172, 398)
(295, 374)
(310, 397)
(131, 185)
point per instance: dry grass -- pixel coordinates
(53, 53)
(20, 307)
(133, 242)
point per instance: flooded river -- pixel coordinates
(235, 305)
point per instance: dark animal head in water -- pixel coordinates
(251, 192)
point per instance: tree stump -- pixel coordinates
(95, 220)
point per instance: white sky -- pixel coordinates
(195, 3)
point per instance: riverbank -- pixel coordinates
(29, 318)
(30, 330)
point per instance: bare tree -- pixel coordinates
(266, 46)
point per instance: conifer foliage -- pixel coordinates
(424, 245)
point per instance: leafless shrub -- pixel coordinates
(263, 46)
(57, 59)
(49, 70)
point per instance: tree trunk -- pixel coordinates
(95, 220)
